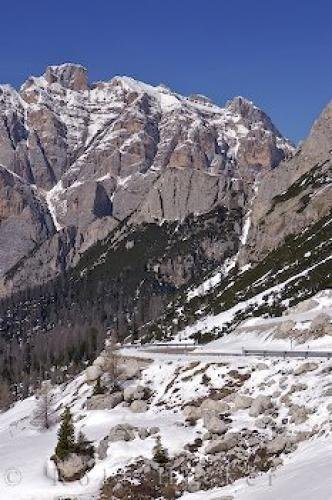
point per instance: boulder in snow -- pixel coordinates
(138, 406)
(121, 432)
(134, 392)
(192, 413)
(92, 373)
(213, 423)
(298, 414)
(222, 444)
(260, 405)
(104, 401)
(305, 368)
(241, 402)
(73, 467)
(276, 445)
(131, 369)
(215, 405)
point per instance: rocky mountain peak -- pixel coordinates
(126, 146)
(300, 186)
(240, 105)
(320, 137)
(201, 99)
(68, 75)
(247, 110)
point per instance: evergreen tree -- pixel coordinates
(83, 446)
(66, 435)
(160, 453)
(98, 388)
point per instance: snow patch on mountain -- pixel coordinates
(55, 206)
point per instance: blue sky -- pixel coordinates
(277, 53)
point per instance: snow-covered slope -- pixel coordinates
(289, 274)
(300, 393)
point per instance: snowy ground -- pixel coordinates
(175, 379)
(24, 451)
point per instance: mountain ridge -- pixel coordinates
(96, 152)
(132, 240)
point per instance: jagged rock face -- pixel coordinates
(295, 195)
(124, 127)
(24, 219)
(13, 133)
(179, 192)
(152, 129)
(119, 149)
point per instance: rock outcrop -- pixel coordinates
(300, 186)
(25, 221)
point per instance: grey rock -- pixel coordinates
(138, 406)
(134, 392)
(25, 221)
(74, 467)
(216, 405)
(102, 448)
(261, 366)
(153, 430)
(260, 405)
(104, 401)
(119, 155)
(224, 497)
(273, 206)
(241, 402)
(194, 486)
(305, 368)
(143, 433)
(264, 422)
(93, 372)
(71, 76)
(199, 471)
(131, 369)
(213, 423)
(277, 445)
(121, 432)
(192, 412)
(222, 444)
(298, 414)
(328, 392)
(298, 387)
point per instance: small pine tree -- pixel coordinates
(83, 446)
(66, 436)
(98, 388)
(160, 453)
